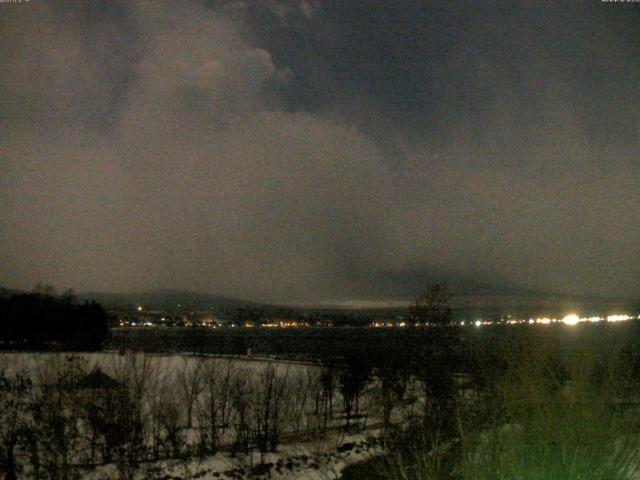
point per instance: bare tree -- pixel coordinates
(167, 414)
(44, 289)
(270, 406)
(55, 414)
(393, 384)
(301, 383)
(240, 393)
(431, 306)
(136, 370)
(154, 404)
(312, 403)
(329, 383)
(105, 406)
(189, 378)
(212, 403)
(228, 378)
(15, 419)
(353, 379)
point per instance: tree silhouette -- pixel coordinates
(431, 306)
(44, 321)
(353, 379)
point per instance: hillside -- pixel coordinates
(167, 299)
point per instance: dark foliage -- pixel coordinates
(432, 306)
(37, 321)
(352, 378)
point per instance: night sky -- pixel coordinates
(285, 150)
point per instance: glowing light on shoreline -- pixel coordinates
(571, 319)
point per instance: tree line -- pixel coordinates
(64, 414)
(45, 320)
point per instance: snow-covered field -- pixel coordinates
(141, 416)
(186, 417)
(43, 365)
(320, 460)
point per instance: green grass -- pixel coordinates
(558, 420)
(548, 415)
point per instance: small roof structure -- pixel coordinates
(97, 379)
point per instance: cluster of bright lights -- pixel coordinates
(570, 319)
(573, 319)
(479, 323)
(286, 324)
(388, 324)
(136, 324)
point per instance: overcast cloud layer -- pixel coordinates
(280, 150)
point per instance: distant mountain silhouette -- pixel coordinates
(469, 297)
(407, 283)
(382, 290)
(167, 299)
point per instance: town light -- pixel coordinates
(571, 319)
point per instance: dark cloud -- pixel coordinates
(281, 150)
